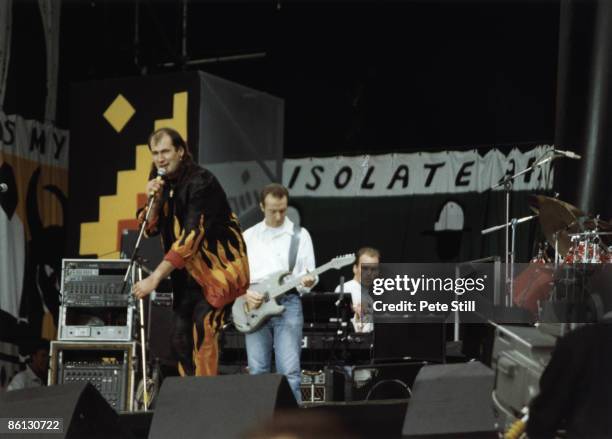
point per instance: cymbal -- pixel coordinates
(536, 201)
(555, 216)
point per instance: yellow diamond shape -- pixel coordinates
(119, 113)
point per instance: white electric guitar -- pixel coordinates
(249, 320)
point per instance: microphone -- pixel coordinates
(3, 187)
(568, 154)
(337, 303)
(160, 174)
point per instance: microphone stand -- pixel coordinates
(333, 359)
(132, 272)
(143, 226)
(513, 223)
(507, 183)
(342, 330)
(143, 348)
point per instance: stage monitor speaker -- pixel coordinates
(83, 411)
(222, 406)
(451, 401)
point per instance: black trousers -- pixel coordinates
(189, 308)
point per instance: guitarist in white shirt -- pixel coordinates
(268, 248)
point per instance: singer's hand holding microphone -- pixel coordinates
(154, 187)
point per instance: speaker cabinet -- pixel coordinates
(83, 411)
(222, 406)
(451, 401)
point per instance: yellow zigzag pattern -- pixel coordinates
(100, 238)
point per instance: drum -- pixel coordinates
(587, 252)
(533, 285)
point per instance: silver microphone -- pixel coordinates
(568, 154)
(160, 173)
(3, 187)
(337, 303)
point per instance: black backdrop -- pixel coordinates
(403, 228)
(357, 77)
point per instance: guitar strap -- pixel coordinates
(293, 247)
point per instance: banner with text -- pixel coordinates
(34, 179)
(418, 173)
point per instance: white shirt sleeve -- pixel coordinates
(305, 260)
(354, 288)
(18, 382)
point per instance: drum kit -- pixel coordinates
(581, 244)
(577, 237)
(581, 252)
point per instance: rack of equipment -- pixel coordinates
(108, 366)
(96, 330)
(93, 305)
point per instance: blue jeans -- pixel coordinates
(284, 334)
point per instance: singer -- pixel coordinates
(205, 253)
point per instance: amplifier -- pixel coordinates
(93, 305)
(374, 381)
(317, 347)
(313, 386)
(94, 283)
(323, 340)
(109, 367)
(329, 340)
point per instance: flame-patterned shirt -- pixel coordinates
(201, 234)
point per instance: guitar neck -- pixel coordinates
(295, 282)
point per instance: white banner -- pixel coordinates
(417, 173)
(32, 140)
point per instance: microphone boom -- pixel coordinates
(568, 154)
